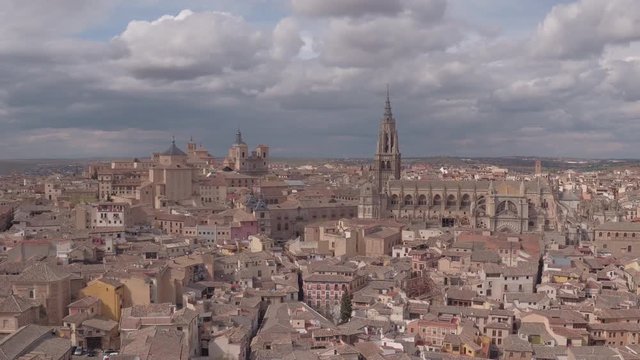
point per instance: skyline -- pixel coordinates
(481, 78)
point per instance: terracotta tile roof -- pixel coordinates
(100, 324)
(16, 304)
(42, 272)
(84, 302)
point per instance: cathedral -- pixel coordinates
(253, 163)
(503, 206)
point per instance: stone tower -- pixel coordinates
(538, 168)
(239, 151)
(387, 159)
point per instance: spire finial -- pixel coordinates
(173, 139)
(239, 136)
(387, 107)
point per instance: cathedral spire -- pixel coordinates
(387, 107)
(239, 137)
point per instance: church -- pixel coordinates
(504, 206)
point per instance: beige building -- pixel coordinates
(163, 316)
(288, 220)
(172, 177)
(16, 312)
(326, 283)
(355, 237)
(144, 285)
(167, 178)
(239, 159)
(47, 286)
(102, 215)
(618, 238)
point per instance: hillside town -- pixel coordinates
(189, 255)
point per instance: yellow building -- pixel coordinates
(110, 292)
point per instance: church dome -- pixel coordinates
(173, 150)
(260, 206)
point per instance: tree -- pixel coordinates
(345, 307)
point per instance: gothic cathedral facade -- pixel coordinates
(505, 206)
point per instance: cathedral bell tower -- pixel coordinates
(387, 159)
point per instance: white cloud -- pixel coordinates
(350, 8)
(314, 79)
(586, 27)
(190, 45)
(287, 41)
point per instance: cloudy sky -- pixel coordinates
(84, 78)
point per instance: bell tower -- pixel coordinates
(387, 159)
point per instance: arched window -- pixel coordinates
(394, 199)
(451, 201)
(422, 200)
(408, 200)
(465, 201)
(507, 207)
(437, 200)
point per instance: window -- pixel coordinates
(32, 294)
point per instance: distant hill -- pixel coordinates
(41, 166)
